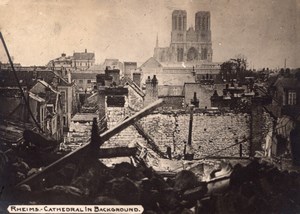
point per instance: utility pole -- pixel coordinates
(189, 151)
(284, 63)
(191, 126)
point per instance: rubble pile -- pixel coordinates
(122, 184)
(161, 128)
(254, 188)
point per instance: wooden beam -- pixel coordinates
(104, 137)
(129, 121)
(191, 126)
(149, 139)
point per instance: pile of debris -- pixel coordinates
(81, 178)
(258, 187)
(122, 184)
(255, 188)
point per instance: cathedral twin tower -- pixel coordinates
(192, 45)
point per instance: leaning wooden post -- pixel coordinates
(256, 126)
(95, 139)
(189, 154)
(190, 126)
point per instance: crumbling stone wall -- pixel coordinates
(210, 133)
(130, 135)
(78, 134)
(135, 101)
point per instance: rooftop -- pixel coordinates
(28, 77)
(83, 56)
(84, 117)
(83, 75)
(11, 131)
(288, 82)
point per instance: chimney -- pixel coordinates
(63, 55)
(151, 93)
(195, 101)
(148, 80)
(85, 51)
(100, 80)
(101, 97)
(108, 81)
(114, 74)
(215, 93)
(136, 76)
(55, 82)
(154, 80)
(69, 76)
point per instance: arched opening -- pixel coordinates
(203, 23)
(179, 23)
(180, 54)
(204, 53)
(192, 54)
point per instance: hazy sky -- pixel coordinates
(37, 31)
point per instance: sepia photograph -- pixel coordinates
(150, 106)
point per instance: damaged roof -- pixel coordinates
(83, 75)
(13, 92)
(127, 81)
(84, 117)
(292, 83)
(28, 77)
(11, 131)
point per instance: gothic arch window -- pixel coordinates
(207, 23)
(180, 37)
(203, 23)
(161, 57)
(180, 54)
(174, 25)
(192, 54)
(179, 23)
(199, 23)
(204, 53)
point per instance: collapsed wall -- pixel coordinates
(126, 137)
(210, 133)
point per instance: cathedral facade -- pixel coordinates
(193, 45)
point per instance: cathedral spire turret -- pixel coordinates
(156, 40)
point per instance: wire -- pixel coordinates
(19, 85)
(243, 141)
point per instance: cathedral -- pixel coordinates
(192, 45)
